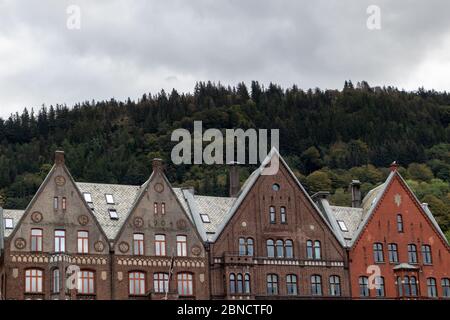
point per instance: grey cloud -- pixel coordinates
(126, 48)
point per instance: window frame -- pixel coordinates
(272, 284)
(138, 244)
(291, 283)
(427, 257)
(8, 226)
(84, 249)
(36, 240)
(59, 241)
(109, 198)
(160, 245)
(272, 215)
(335, 286)
(432, 288)
(160, 282)
(283, 215)
(316, 285)
(270, 248)
(34, 276)
(186, 284)
(139, 278)
(89, 277)
(412, 254)
(378, 252)
(182, 245)
(393, 252)
(399, 221)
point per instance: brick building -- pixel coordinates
(267, 240)
(396, 248)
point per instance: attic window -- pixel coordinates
(9, 223)
(87, 197)
(109, 198)
(113, 214)
(342, 225)
(205, 218)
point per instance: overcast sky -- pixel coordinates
(125, 48)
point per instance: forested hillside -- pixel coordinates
(328, 137)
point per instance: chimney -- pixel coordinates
(59, 158)
(394, 166)
(355, 188)
(234, 179)
(157, 164)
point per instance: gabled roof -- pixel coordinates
(124, 196)
(273, 155)
(357, 218)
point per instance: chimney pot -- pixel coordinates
(59, 157)
(157, 164)
(355, 188)
(394, 166)
(234, 179)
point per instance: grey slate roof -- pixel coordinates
(12, 214)
(352, 217)
(124, 197)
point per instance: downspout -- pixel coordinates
(111, 268)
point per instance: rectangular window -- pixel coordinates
(33, 281)
(109, 199)
(364, 286)
(272, 284)
(431, 285)
(163, 208)
(83, 242)
(399, 223)
(342, 225)
(316, 285)
(55, 281)
(138, 244)
(272, 214)
(426, 254)
(60, 241)
(379, 286)
(36, 240)
(335, 286)
(291, 284)
(445, 283)
(155, 208)
(378, 255)
(283, 218)
(64, 203)
(9, 223)
(185, 284)
(181, 246)
(412, 253)
(205, 218)
(160, 245)
(87, 197)
(137, 283)
(55, 203)
(113, 214)
(393, 253)
(86, 282)
(161, 282)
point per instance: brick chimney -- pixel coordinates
(394, 166)
(157, 164)
(59, 158)
(234, 179)
(355, 189)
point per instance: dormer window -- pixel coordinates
(109, 198)
(87, 197)
(205, 218)
(9, 223)
(113, 214)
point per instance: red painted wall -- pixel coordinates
(382, 227)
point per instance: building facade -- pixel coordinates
(268, 240)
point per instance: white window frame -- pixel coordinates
(205, 218)
(113, 214)
(87, 197)
(9, 223)
(342, 225)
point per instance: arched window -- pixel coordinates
(55, 281)
(316, 285)
(378, 255)
(393, 252)
(247, 287)
(406, 286)
(272, 284)
(317, 250)
(280, 249)
(289, 249)
(136, 283)
(426, 254)
(242, 247)
(399, 286)
(445, 283)
(379, 285)
(240, 284)
(431, 285)
(399, 223)
(161, 282)
(33, 280)
(309, 249)
(291, 284)
(232, 283)
(363, 286)
(283, 218)
(250, 247)
(412, 253)
(270, 248)
(185, 284)
(272, 214)
(413, 284)
(335, 286)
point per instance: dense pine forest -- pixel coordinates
(328, 137)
